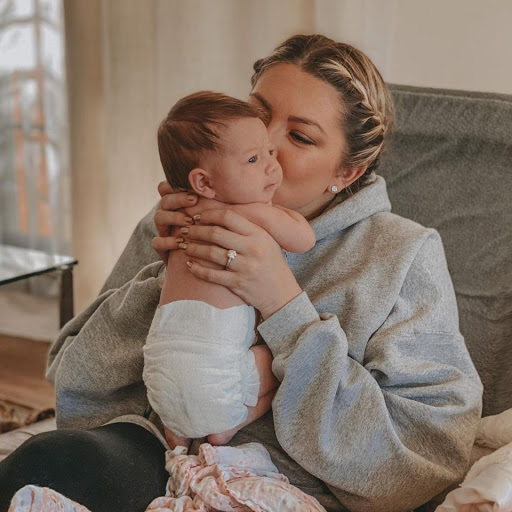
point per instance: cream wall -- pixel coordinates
(129, 61)
(468, 46)
(456, 44)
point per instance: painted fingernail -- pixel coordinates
(184, 231)
(189, 264)
(179, 240)
(197, 217)
(191, 197)
(189, 220)
(182, 246)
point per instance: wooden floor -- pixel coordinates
(22, 367)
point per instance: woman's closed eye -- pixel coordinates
(301, 139)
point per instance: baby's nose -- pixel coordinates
(274, 168)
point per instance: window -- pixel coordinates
(35, 209)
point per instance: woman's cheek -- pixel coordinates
(291, 166)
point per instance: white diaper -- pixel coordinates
(198, 369)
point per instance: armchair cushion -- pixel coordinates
(449, 166)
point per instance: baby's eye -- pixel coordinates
(253, 159)
(271, 152)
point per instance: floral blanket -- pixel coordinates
(219, 478)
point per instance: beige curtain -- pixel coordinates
(129, 61)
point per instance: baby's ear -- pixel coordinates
(201, 183)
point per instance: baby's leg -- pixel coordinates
(268, 388)
(263, 359)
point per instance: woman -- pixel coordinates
(378, 400)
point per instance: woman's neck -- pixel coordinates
(316, 207)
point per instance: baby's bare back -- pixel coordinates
(181, 284)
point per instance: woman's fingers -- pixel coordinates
(210, 253)
(214, 235)
(164, 188)
(213, 275)
(259, 260)
(164, 243)
(165, 220)
(174, 201)
(228, 219)
(169, 216)
(202, 205)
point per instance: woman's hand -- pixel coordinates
(176, 209)
(259, 274)
(168, 215)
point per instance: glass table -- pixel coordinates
(17, 263)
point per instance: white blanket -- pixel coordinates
(488, 484)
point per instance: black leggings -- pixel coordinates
(118, 467)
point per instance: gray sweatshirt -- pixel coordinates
(379, 401)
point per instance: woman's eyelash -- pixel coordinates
(301, 139)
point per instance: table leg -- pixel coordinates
(66, 295)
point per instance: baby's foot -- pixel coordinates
(173, 440)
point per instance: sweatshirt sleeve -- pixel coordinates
(95, 364)
(137, 254)
(392, 431)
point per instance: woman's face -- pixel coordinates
(305, 128)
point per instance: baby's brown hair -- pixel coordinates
(192, 127)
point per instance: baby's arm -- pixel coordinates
(288, 228)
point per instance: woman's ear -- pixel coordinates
(346, 177)
(352, 174)
(200, 181)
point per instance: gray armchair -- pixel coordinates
(449, 166)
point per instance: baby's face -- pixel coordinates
(245, 170)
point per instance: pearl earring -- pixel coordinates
(334, 188)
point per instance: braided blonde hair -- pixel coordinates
(367, 109)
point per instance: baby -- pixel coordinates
(201, 364)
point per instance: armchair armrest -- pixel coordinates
(11, 440)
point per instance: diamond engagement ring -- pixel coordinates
(231, 257)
